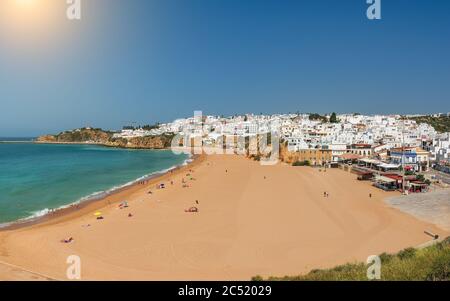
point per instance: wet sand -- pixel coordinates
(252, 220)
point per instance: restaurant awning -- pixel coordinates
(389, 166)
(384, 179)
(371, 161)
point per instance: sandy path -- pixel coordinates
(247, 225)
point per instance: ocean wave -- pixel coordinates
(33, 216)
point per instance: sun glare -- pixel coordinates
(29, 25)
(25, 2)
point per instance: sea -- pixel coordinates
(38, 178)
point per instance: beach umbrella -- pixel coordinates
(98, 213)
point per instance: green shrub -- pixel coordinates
(440, 269)
(257, 278)
(301, 163)
(407, 253)
(386, 258)
(440, 124)
(420, 178)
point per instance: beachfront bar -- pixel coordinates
(385, 183)
(417, 186)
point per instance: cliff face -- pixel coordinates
(287, 156)
(148, 142)
(80, 135)
(99, 136)
(47, 138)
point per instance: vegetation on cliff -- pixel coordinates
(428, 264)
(147, 142)
(440, 124)
(99, 136)
(146, 127)
(79, 135)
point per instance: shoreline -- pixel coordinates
(92, 203)
(245, 227)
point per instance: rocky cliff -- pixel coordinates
(286, 155)
(99, 136)
(79, 135)
(148, 142)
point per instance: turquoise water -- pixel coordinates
(36, 177)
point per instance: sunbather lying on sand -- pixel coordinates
(66, 241)
(191, 210)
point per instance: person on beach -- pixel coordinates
(196, 201)
(370, 195)
(66, 241)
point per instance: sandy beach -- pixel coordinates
(252, 220)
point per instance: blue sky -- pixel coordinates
(149, 61)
